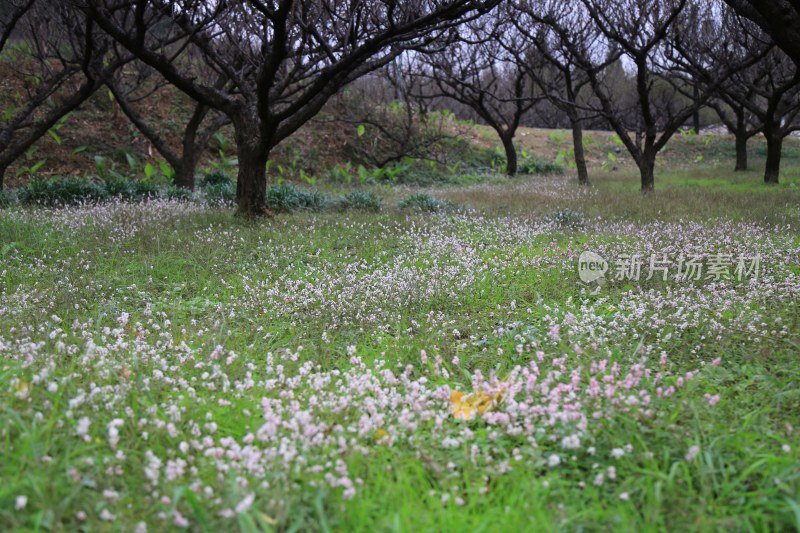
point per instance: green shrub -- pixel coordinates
(361, 201)
(312, 200)
(215, 177)
(173, 192)
(219, 193)
(61, 191)
(130, 189)
(534, 166)
(7, 198)
(566, 218)
(286, 198)
(423, 202)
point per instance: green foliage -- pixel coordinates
(126, 189)
(534, 166)
(219, 193)
(360, 201)
(83, 277)
(286, 198)
(215, 177)
(7, 198)
(30, 167)
(527, 163)
(423, 202)
(173, 192)
(225, 163)
(566, 218)
(61, 191)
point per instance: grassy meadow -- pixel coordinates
(166, 366)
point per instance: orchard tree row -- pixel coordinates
(641, 68)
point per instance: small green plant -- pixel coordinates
(361, 201)
(286, 198)
(215, 177)
(534, 166)
(341, 173)
(423, 202)
(608, 164)
(219, 193)
(30, 168)
(557, 137)
(7, 198)
(225, 163)
(566, 218)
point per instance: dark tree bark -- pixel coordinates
(511, 154)
(769, 93)
(696, 115)
(640, 32)
(778, 18)
(646, 163)
(556, 68)
(741, 150)
(251, 182)
(580, 157)
(772, 169)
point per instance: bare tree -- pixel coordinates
(742, 123)
(778, 18)
(484, 69)
(563, 40)
(770, 91)
(762, 90)
(707, 41)
(57, 59)
(393, 123)
(132, 90)
(641, 34)
(281, 59)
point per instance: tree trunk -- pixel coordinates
(251, 183)
(184, 172)
(580, 157)
(696, 114)
(647, 166)
(741, 151)
(774, 147)
(511, 154)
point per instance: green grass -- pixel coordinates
(393, 284)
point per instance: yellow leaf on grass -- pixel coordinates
(468, 407)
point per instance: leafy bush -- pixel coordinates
(423, 202)
(286, 198)
(119, 187)
(534, 166)
(361, 201)
(7, 198)
(219, 193)
(215, 177)
(566, 218)
(173, 192)
(61, 191)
